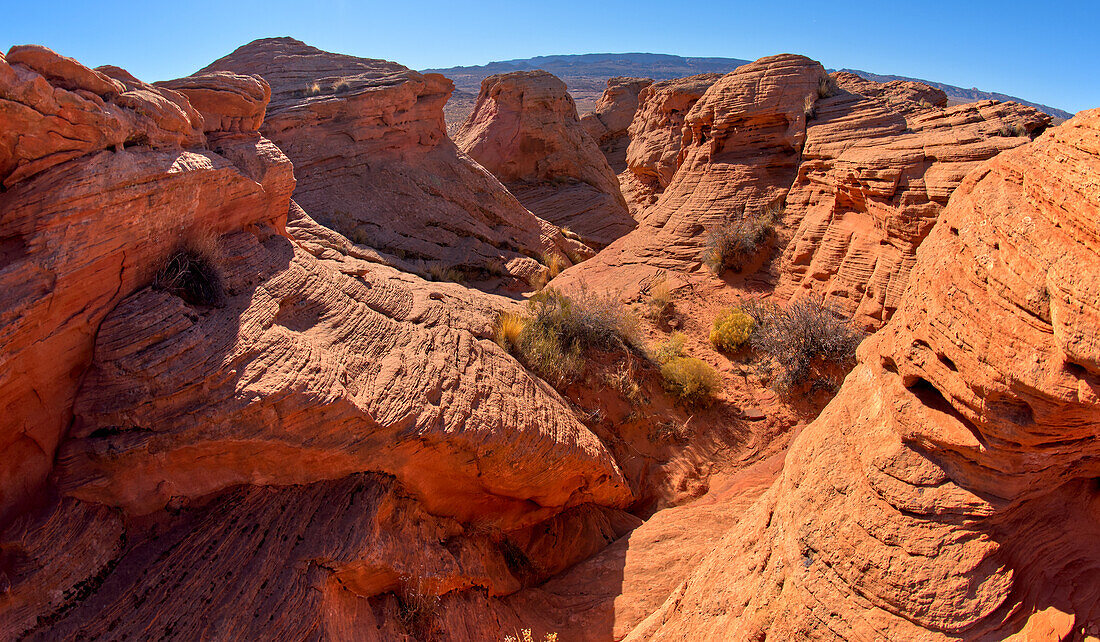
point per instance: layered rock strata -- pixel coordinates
(525, 130)
(949, 490)
(373, 161)
(609, 120)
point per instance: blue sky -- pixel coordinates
(1041, 52)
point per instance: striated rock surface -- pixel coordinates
(525, 130)
(879, 164)
(373, 162)
(609, 120)
(655, 134)
(738, 153)
(949, 490)
(98, 193)
(328, 441)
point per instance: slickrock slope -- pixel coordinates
(525, 130)
(608, 121)
(373, 161)
(655, 135)
(949, 490)
(739, 151)
(879, 164)
(298, 458)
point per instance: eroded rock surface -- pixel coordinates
(525, 130)
(948, 491)
(738, 153)
(655, 134)
(373, 162)
(99, 192)
(609, 120)
(880, 162)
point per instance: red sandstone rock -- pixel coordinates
(54, 109)
(655, 135)
(608, 122)
(738, 153)
(228, 102)
(525, 130)
(879, 164)
(948, 491)
(82, 227)
(373, 161)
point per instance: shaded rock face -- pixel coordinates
(329, 433)
(525, 130)
(373, 161)
(879, 164)
(949, 490)
(608, 122)
(99, 192)
(655, 135)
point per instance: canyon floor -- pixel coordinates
(772, 354)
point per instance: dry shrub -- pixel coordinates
(554, 262)
(691, 380)
(509, 328)
(735, 244)
(525, 636)
(559, 329)
(659, 300)
(805, 340)
(732, 328)
(625, 380)
(192, 272)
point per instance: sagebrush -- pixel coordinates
(733, 245)
(807, 339)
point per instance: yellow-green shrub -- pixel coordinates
(690, 379)
(732, 328)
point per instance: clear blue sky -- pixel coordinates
(1045, 52)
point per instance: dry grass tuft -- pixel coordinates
(192, 272)
(735, 244)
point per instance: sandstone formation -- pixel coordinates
(327, 442)
(860, 171)
(879, 164)
(373, 162)
(99, 191)
(525, 130)
(949, 490)
(738, 153)
(655, 134)
(611, 117)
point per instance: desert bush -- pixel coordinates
(559, 329)
(671, 348)
(508, 330)
(554, 262)
(827, 87)
(690, 379)
(192, 273)
(1010, 131)
(806, 338)
(731, 329)
(625, 380)
(417, 607)
(733, 245)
